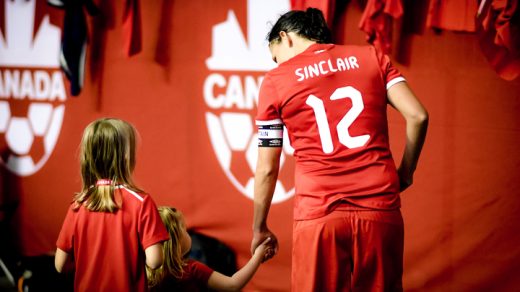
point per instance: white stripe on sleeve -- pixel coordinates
(394, 81)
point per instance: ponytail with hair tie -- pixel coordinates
(310, 24)
(318, 25)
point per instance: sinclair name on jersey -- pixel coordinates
(325, 67)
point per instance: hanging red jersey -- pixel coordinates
(457, 15)
(332, 100)
(377, 22)
(132, 27)
(499, 35)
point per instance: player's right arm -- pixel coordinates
(404, 100)
(265, 181)
(270, 142)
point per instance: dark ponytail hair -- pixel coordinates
(309, 24)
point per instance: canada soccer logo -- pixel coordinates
(32, 91)
(231, 90)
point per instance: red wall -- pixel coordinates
(461, 214)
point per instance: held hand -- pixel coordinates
(405, 179)
(262, 249)
(268, 239)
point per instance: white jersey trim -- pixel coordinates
(394, 81)
(270, 122)
(131, 192)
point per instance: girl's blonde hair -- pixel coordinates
(107, 151)
(173, 257)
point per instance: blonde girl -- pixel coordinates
(112, 228)
(180, 274)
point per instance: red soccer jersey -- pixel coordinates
(377, 22)
(108, 248)
(194, 278)
(333, 100)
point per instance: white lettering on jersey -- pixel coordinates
(343, 126)
(326, 67)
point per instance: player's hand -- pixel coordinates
(405, 179)
(259, 238)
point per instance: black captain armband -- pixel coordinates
(270, 133)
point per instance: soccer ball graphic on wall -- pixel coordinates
(30, 139)
(32, 91)
(236, 147)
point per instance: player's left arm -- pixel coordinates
(266, 176)
(404, 100)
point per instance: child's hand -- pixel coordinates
(262, 249)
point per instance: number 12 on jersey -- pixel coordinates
(347, 120)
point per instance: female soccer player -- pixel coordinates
(348, 229)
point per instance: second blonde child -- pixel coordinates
(180, 274)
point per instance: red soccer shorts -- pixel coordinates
(349, 251)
